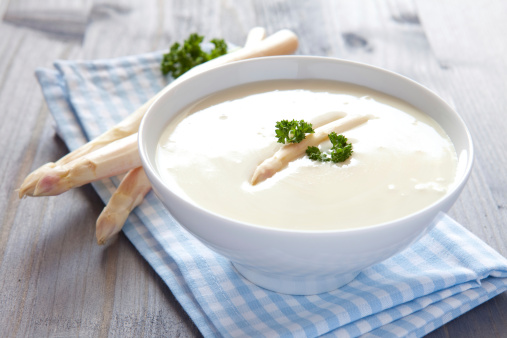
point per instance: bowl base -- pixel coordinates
(303, 286)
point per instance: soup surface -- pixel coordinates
(402, 160)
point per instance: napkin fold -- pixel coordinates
(443, 275)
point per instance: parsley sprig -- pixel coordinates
(295, 132)
(292, 131)
(340, 151)
(182, 58)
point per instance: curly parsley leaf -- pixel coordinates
(315, 154)
(338, 141)
(219, 50)
(340, 151)
(292, 131)
(182, 58)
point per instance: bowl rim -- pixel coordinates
(456, 188)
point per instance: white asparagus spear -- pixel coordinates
(129, 194)
(113, 159)
(326, 118)
(255, 35)
(290, 152)
(135, 184)
(281, 42)
(126, 127)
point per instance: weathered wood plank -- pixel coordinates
(466, 42)
(65, 19)
(60, 283)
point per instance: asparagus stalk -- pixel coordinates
(126, 127)
(135, 185)
(113, 159)
(281, 42)
(255, 35)
(290, 152)
(129, 194)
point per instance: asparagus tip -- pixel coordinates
(21, 192)
(50, 184)
(28, 186)
(263, 171)
(108, 225)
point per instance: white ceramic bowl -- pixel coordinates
(291, 261)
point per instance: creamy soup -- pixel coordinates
(402, 160)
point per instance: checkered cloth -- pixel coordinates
(446, 273)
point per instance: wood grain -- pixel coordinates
(56, 281)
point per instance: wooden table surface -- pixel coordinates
(56, 281)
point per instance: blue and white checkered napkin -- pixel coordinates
(445, 274)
